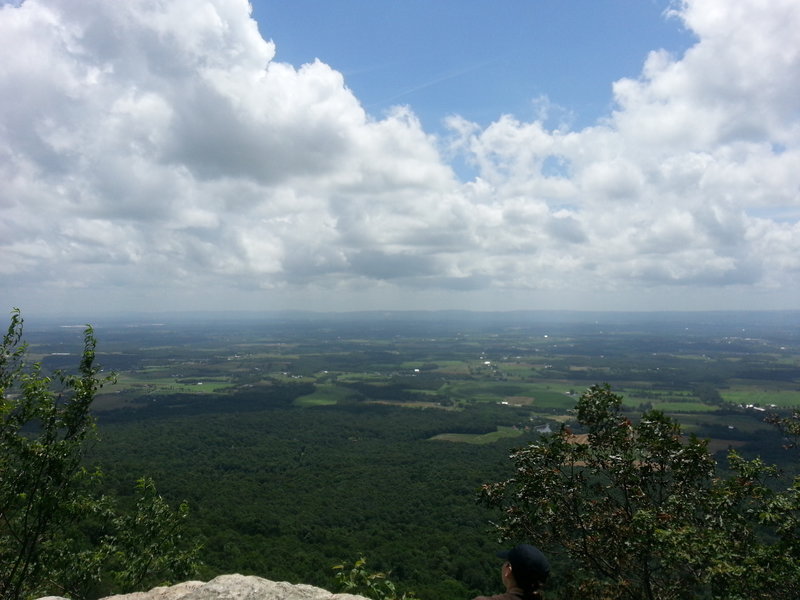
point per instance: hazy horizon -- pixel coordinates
(787, 322)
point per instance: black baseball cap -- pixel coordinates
(527, 559)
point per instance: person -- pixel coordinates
(524, 573)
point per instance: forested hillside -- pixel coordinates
(288, 493)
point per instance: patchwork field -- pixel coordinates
(533, 372)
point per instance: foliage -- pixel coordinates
(789, 426)
(279, 492)
(56, 532)
(357, 579)
(149, 541)
(639, 511)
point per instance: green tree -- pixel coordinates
(57, 533)
(358, 579)
(638, 511)
(789, 426)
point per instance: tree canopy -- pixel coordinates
(639, 511)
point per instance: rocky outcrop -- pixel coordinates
(233, 587)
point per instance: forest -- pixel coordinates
(304, 441)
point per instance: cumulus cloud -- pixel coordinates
(680, 184)
(149, 147)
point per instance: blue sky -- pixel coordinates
(475, 58)
(372, 155)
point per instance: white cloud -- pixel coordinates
(157, 150)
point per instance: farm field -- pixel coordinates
(534, 370)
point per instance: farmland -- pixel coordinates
(686, 368)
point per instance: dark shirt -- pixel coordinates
(512, 594)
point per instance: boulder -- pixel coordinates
(233, 587)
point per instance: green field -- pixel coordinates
(684, 407)
(479, 438)
(131, 382)
(325, 394)
(763, 396)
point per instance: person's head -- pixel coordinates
(525, 567)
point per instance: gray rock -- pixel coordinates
(233, 587)
(173, 592)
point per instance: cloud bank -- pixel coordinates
(154, 155)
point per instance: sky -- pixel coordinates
(180, 155)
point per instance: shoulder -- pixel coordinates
(506, 596)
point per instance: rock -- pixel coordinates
(173, 592)
(233, 587)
